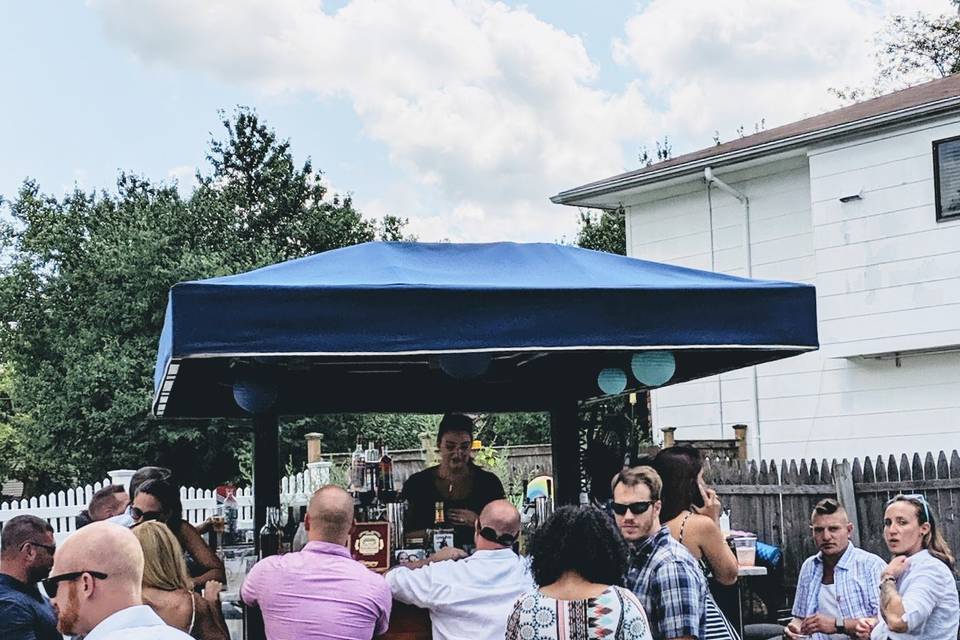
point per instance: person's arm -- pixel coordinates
(715, 550)
(891, 603)
(386, 607)
(792, 630)
(202, 554)
(252, 587)
(16, 622)
(447, 553)
(680, 598)
(413, 586)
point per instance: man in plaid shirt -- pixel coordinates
(838, 586)
(661, 572)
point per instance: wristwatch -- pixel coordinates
(839, 626)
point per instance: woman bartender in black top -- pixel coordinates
(463, 487)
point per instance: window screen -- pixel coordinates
(946, 173)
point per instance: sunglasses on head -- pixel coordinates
(488, 533)
(51, 584)
(140, 514)
(915, 498)
(636, 508)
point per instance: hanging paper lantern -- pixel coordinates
(612, 381)
(464, 366)
(653, 368)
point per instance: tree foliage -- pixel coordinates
(605, 231)
(83, 289)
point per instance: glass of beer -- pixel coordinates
(219, 522)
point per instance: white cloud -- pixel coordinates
(486, 110)
(718, 65)
(488, 106)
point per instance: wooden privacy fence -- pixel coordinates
(775, 500)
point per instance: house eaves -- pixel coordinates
(794, 137)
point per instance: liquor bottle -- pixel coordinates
(289, 530)
(386, 472)
(270, 534)
(358, 468)
(300, 537)
(442, 534)
(231, 511)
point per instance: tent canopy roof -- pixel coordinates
(399, 326)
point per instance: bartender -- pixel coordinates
(463, 487)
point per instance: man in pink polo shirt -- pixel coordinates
(320, 592)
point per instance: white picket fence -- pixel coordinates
(61, 508)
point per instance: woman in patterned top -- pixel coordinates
(578, 558)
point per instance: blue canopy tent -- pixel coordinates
(465, 327)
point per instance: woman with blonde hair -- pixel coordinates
(918, 589)
(167, 587)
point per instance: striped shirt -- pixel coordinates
(671, 586)
(856, 578)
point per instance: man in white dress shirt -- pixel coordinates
(469, 597)
(95, 587)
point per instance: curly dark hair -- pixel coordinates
(678, 468)
(168, 495)
(581, 539)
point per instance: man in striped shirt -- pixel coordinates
(838, 586)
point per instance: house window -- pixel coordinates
(946, 177)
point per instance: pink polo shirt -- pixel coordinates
(320, 592)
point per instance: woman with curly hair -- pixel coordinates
(160, 500)
(578, 560)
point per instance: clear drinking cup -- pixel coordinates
(746, 550)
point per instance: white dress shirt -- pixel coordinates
(930, 603)
(468, 599)
(139, 622)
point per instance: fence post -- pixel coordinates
(740, 432)
(668, 436)
(314, 443)
(843, 480)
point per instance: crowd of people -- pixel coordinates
(639, 570)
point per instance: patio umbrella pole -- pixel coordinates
(565, 439)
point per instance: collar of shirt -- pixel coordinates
(326, 548)
(845, 560)
(137, 616)
(647, 546)
(27, 589)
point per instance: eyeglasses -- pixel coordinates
(140, 514)
(913, 497)
(51, 548)
(50, 585)
(636, 508)
(488, 533)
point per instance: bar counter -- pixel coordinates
(408, 622)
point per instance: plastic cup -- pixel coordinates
(746, 550)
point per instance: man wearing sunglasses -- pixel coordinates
(469, 597)
(661, 572)
(95, 586)
(26, 555)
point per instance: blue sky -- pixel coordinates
(464, 116)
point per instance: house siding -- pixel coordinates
(887, 277)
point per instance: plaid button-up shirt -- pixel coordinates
(856, 578)
(671, 586)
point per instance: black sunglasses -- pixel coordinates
(140, 514)
(636, 508)
(50, 585)
(51, 548)
(488, 533)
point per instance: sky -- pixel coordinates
(462, 116)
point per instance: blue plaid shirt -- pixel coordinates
(671, 586)
(856, 578)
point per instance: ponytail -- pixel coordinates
(938, 547)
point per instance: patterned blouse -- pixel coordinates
(615, 614)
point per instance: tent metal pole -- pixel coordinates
(565, 442)
(266, 469)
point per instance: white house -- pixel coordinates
(863, 202)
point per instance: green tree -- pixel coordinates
(605, 231)
(84, 285)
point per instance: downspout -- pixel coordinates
(712, 180)
(713, 267)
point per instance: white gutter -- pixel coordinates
(578, 196)
(713, 181)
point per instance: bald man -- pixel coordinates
(469, 597)
(320, 592)
(95, 587)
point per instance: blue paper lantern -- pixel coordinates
(255, 396)
(653, 368)
(612, 380)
